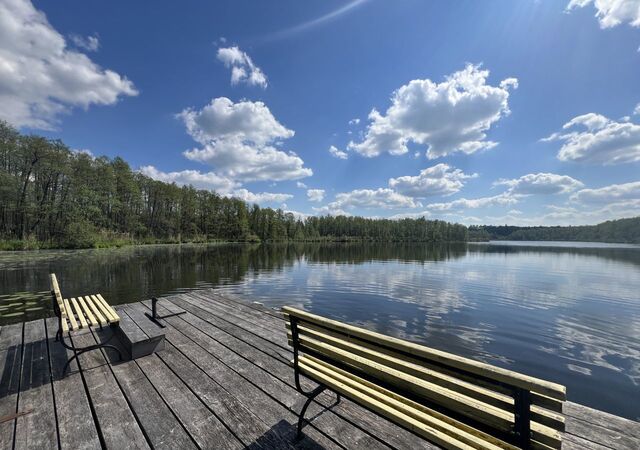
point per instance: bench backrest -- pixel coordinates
(55, 292)
(485, 396)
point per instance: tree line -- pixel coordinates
(621, 231)
(51, 196)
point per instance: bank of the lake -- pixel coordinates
(567, 312)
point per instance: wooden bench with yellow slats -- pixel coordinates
(454, 402)
(82, 312)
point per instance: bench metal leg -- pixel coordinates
(79, 351)
(312, 395)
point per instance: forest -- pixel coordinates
(52, 197)
(621, 231)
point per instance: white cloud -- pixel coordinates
(355, 121)
(636, 111)
(243, 70)
(541, 183)
(336, 153)
(260, 197)
(301, 185)
(89, 43)
(611, 13)
(315, 195)
(452, 116)
(208, 180)
(381, 198)
(239, 140)
(440, 179)
(503, 199)
(40, 78)
(614, 193)
(601, 140)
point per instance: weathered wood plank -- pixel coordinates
(119, 426)
(596, 417)
(217, 362)
(11, 360)
(246, 425)
(242, 359)
(601, 434)
(38, 429)
(255, 325)
(76, 426)
(162, 428)
(370, 422)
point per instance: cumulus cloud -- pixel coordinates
(239, 140)
(611, 13)
(40, 77)
(504, 199)
(355, 121)
(336, 153)
(636, 111)
(243, 70)
(195, 178)
(614, 193)
(541, 183)
(89, 43)
(301, 185)
(381, 198)
(595, 139)
(447, 117)
(315, 195)
(440, 179)
(261, 197)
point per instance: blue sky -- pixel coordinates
(476, 112)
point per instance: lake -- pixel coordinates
(566, 312)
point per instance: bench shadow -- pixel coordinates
(286, 431)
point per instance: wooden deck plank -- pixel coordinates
(118, 424)
(75, 428)
(38, 429)
(223, 390)
(365, 420)
(252, 324)
(244, 357)
(593, 416)
(11, 360)
(162, 428)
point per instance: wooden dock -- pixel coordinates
(223, 381)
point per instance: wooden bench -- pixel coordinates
(454, 402)
(82, 312)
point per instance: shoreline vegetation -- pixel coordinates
(54, 198)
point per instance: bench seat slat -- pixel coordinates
(72, 319)
(113, 315)
(456, 429)
(89, 315)
(543, 387)
(433, 434)
(79, 313)
(94, 309)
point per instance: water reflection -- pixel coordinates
(571, 315)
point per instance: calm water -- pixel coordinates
(565, 312)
